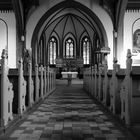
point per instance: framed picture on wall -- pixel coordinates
(136, 41)
(136, 48)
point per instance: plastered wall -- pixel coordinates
(9, 18)
(129, 18)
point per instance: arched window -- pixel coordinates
(52, 50)
(86, 45)
(69, 48)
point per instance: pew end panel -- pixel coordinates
(135, 107)
(13, 77)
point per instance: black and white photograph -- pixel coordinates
(69, 69)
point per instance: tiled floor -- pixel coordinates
(69, 114)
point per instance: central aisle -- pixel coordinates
(69, 114)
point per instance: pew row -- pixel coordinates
(20, 91)
(117, 89)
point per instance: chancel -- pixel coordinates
(70, 69)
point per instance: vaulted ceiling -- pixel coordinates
(73, 22)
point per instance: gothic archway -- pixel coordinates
(93, 21)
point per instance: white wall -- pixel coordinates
(108, 25)
(9, 18)
(45, 5)
(129, 18)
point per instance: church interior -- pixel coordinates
(69, 69)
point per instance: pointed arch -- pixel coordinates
(3, 35)
(64, 5)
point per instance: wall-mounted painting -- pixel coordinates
(136, 41)
(136, 48)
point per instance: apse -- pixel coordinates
(69, 23)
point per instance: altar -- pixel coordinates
(65, 74)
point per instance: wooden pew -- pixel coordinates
(7, 93)
(130, 93)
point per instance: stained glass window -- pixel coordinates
(86, 46)
(52, 50)
(69, 48)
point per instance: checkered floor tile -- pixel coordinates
(69, 114)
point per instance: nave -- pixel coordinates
(68, 114)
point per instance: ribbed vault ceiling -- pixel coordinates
(72, 21)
